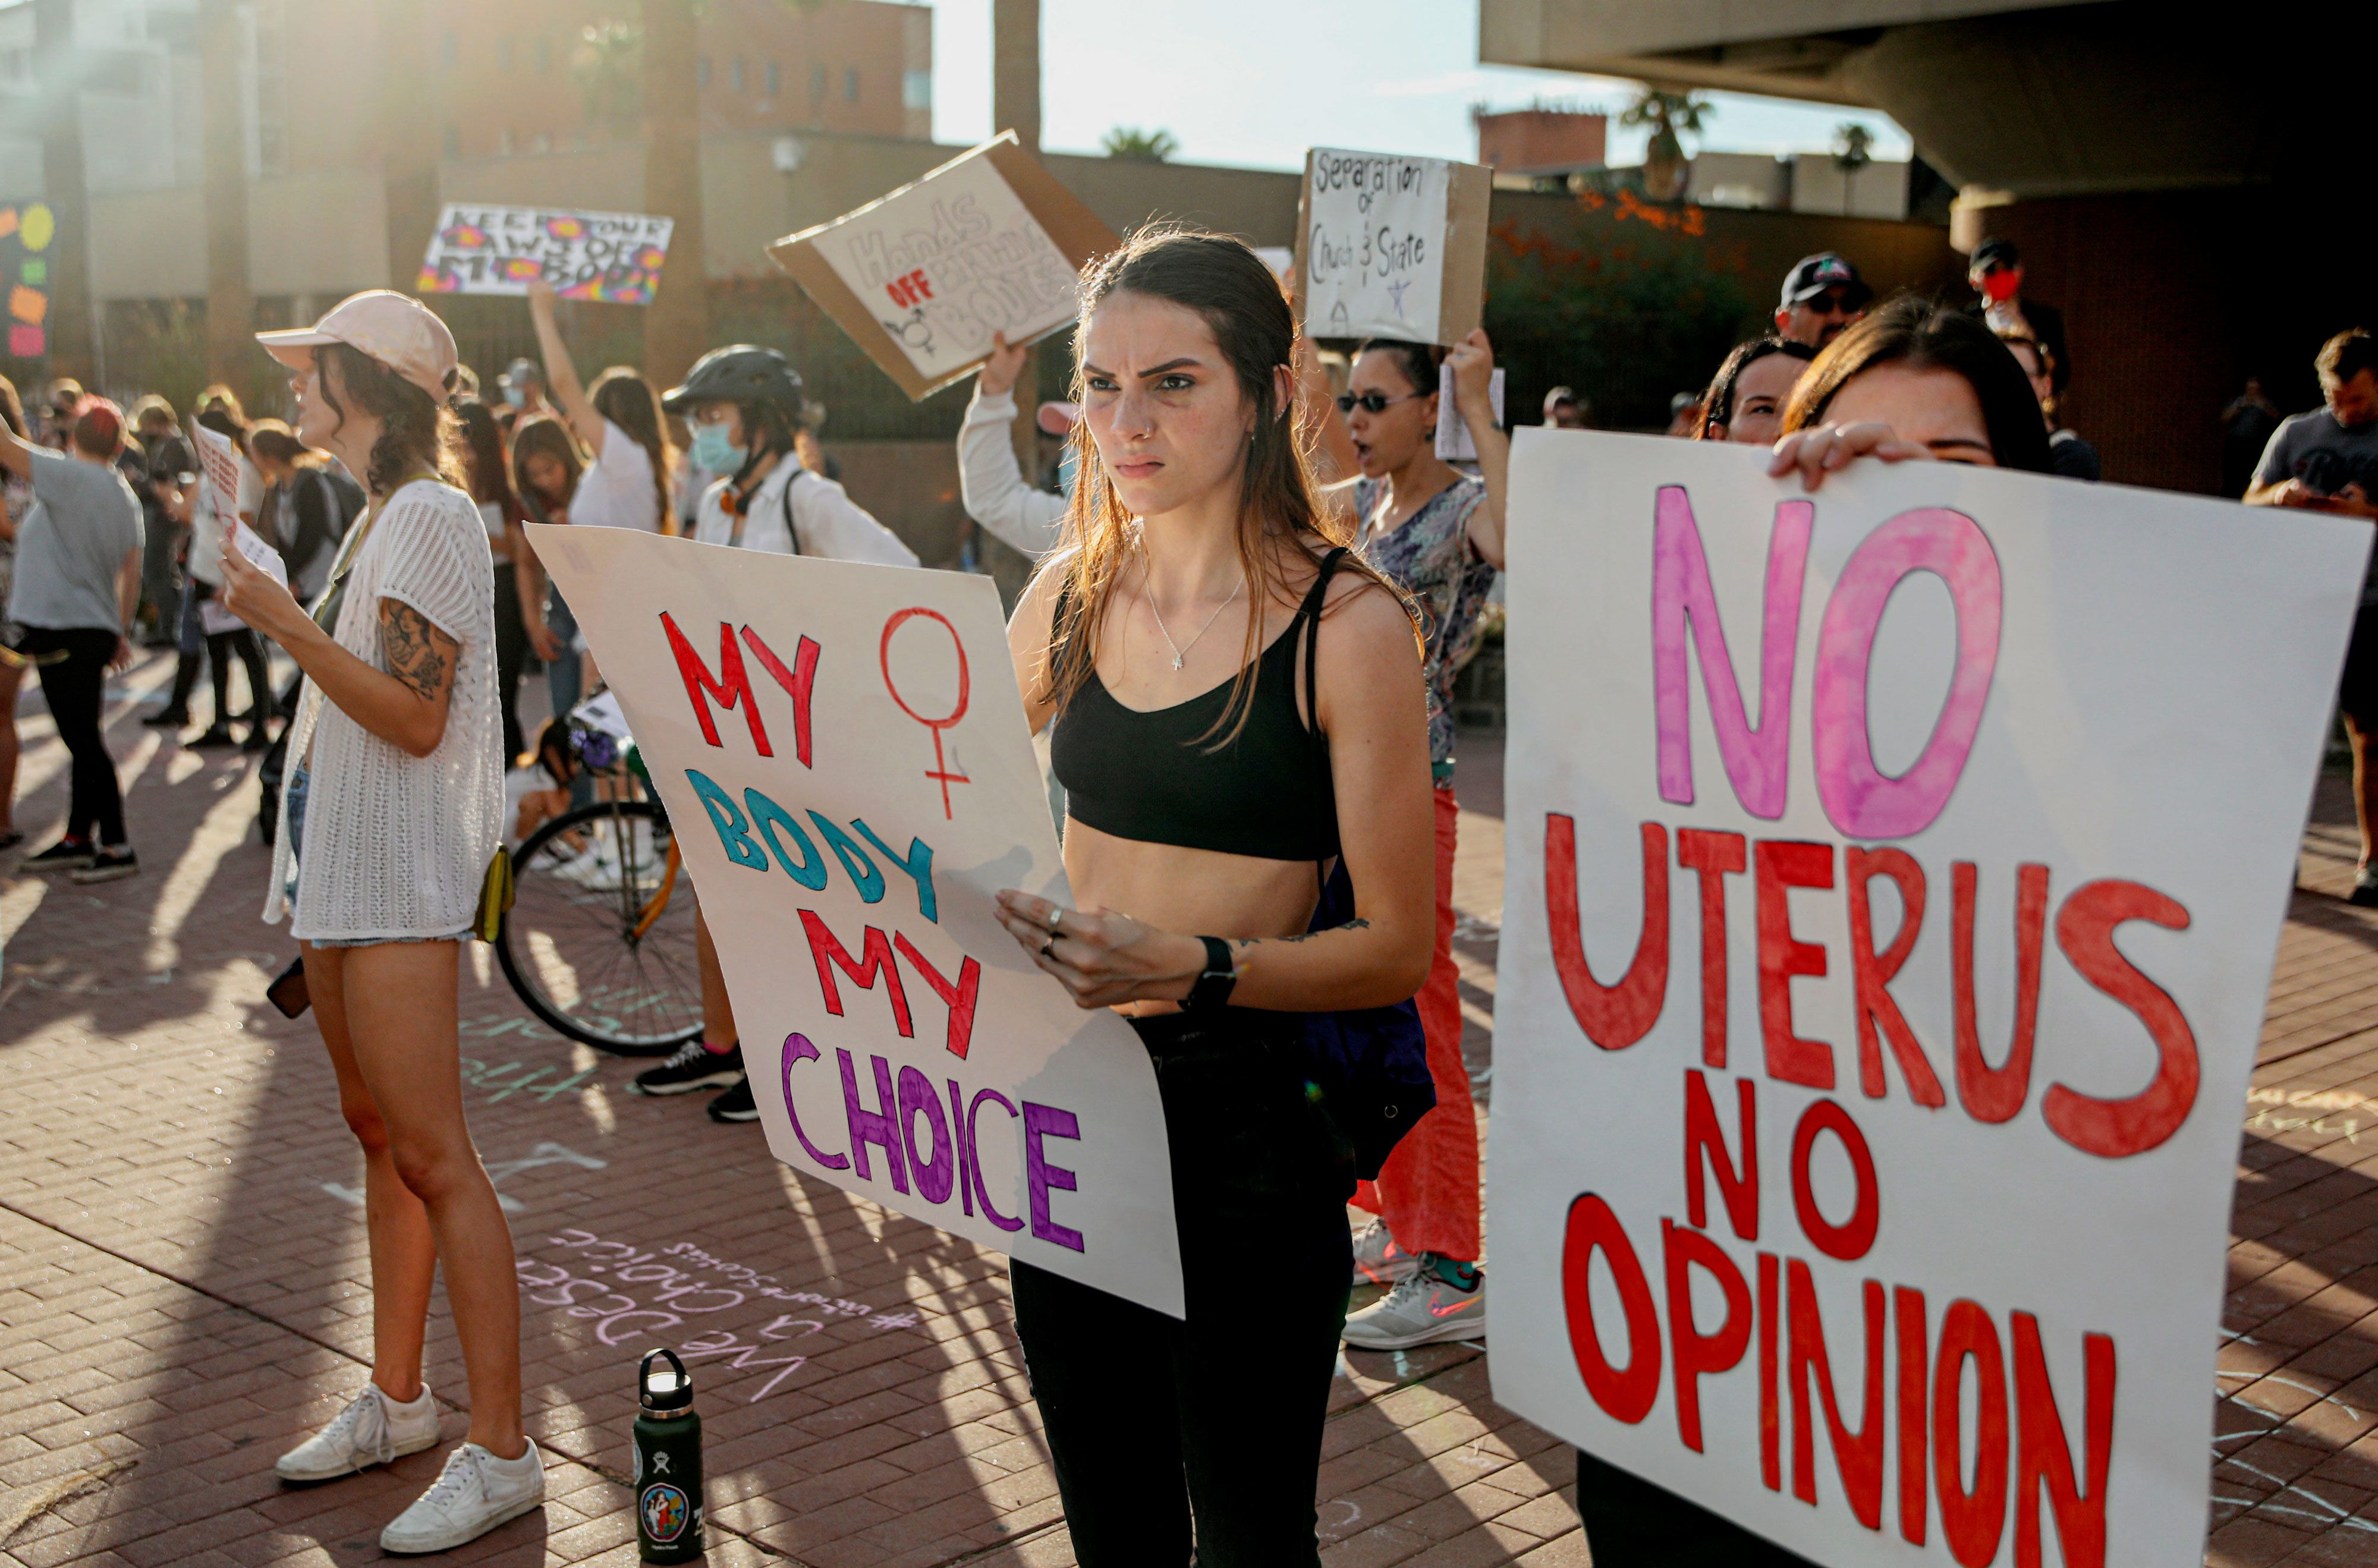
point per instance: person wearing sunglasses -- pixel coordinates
(1436, 534)
(1997, 276)
(1822, 295)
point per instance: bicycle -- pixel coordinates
(599, 940)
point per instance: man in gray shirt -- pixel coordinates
(2327, 460)
(77, 582)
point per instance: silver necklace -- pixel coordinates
(1180, 653)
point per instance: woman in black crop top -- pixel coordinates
(1167, 645)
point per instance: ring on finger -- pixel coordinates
(1056, 919)
(1049, 950)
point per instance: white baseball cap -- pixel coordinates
(396, 329)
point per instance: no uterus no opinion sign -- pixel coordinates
(843, 755)
(1895, 876)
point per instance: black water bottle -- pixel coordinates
(668, 1464)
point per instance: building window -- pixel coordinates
(775, 79)
(544, 56)
(702, 72)
(454, 141)
(504, 142)
(735, 74)
(504, 52)
(917, 90)
(850, 84)
(817, 83)
(540, 142)
(449, 49)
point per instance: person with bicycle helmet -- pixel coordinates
(744, 405)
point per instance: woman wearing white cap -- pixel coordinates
(392, 815)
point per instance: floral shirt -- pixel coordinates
(1429, 557)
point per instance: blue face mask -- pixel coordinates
(715, 452)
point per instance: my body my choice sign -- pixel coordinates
(1894, 877)
(843, 756)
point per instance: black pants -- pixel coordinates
(1630, 1523)
(74, 687)
(511, 653)
(1149, 1421)
(222, 648)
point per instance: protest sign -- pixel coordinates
(843, 756)
(25, 235)
(221, 460)
(921, 278)
(1391, 246)
(615, 258)
(1895, 876)
(1454, 442)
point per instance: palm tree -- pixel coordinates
(1016, 106)
(408, 151)
(1669, 114)
(58, 71)
(677, 324)
(230, 304)
(1853, 151)
(609, 67)
(1136, 146)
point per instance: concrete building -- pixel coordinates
(1542, 141)
(2179, 188)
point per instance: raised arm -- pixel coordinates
(1472, 360)
(991, 482)
(561, 374)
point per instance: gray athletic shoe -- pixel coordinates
(374, 1430)
(475, 1493)
(1422, 1310)
(1377, 1259)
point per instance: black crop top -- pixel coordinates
(1154, 776)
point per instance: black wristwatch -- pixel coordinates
(1211, 990)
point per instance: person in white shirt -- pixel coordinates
(991, 482)
(744, 404)
(619, 422)
(391, 817)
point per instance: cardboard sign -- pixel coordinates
(843, 755)
(1391, 246)
(612, 257)
(1454, 442)
(1894, 877)
(921, 278)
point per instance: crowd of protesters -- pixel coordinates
(1216, 488)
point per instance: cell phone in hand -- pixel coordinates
(288, 993)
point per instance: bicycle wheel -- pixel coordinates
(599, 940)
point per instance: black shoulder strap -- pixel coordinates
(1310, 611)
(792, 534)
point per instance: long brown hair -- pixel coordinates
(628, 401)
(416, 433)
(543, 433)
(1925, 336)
(1239, 300)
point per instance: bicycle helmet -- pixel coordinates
(740, 372)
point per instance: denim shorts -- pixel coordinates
(295, 793)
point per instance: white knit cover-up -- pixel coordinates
(398, 845)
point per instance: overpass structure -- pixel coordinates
(2180, 181)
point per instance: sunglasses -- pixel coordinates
(1832, 302)
(1373, 403)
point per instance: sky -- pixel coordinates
(1253, 83)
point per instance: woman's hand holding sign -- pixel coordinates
(1103, 957)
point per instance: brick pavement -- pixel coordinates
(182, 1267)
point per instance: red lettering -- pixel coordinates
(2084, 930)
(924, 285)
(1971, 1521)
(1692, 1352)
(1737, 1183)
(1907, 1312)
(1771, 1419)
(1782, 865)
(959, 998)
(731, 686)
(1712, 857)
(1856, 1454)
(795, 681)
(830, 955)
(1613, 1017)
(1879, 1017)
(1996, 1094)
(1623, 1393)
(2042, 1458)
(1855, 1238)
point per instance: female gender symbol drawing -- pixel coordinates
(940, 770)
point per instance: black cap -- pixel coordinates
(672, 1390)
(1812, 275)
(741, 373)
(2000, 251)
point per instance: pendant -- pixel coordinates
(1176, 659)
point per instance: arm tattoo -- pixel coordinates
(418, 653)
(1306, 937)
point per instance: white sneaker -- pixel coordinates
(372, 1431)
(475, 1492)
(1377, 1259)
(1420, 1310)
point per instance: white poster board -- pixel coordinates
(1894, 877)
(842, 752)
(1391, 246)
(221, 460)
(480, 249)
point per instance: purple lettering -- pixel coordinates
(935, 1176)
(874, 1127)
(798, 1048)
(1040, 1176)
